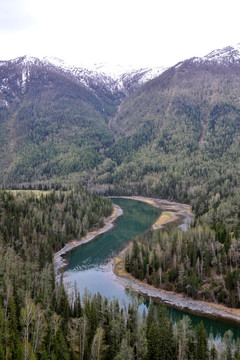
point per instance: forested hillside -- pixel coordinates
(51, 124)
(34, 225)
(178, 135)
(202, 263)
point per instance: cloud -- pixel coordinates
(15, 16)
(153, 32)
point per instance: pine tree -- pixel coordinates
(202, 343)
(213, 353)
(227, 339)
(59, 346)
(191, 346)
(15, 350)
(77, 308)
(1, 332)
(126, 352)
(141, 341)
(151, 317)
(152, 343)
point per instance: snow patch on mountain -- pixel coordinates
(117, 72)
(115, 77)
(3, 103)
(225, 56)
(25, 75)
(228, 54)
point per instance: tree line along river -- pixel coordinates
(89, 266)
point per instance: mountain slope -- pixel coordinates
(54, 118)
(50, 123)
(112, 77)
(178, 135)
(190, 97)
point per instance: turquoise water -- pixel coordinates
(137, 217)
(89, 264)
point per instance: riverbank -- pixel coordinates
(205, 309)
(171, 211)
(60, 262)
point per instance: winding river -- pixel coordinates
(89, 265)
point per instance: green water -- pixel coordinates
(89, 264)
(137, 217)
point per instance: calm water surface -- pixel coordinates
(89, 264)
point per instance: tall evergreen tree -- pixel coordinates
(15, 348)
(152, 343)
(202, 343)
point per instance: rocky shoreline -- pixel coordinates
(60, 262)
(174, 300)
(171, 299)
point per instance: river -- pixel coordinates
(89, 265)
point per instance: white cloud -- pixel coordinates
(126, 31)
(15, 16)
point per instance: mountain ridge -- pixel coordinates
(115, 77)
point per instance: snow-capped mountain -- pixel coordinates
(58, 118)
(121, 77)
(118, 80)
(113, 78)
(228, 55)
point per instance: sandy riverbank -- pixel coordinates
(60, 262)
(171, 213)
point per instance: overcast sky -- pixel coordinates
(149, 32)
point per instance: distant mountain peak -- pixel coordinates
(115, 76)
(226, 54)
(114, 71)
(24, 60)
(115, 80)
